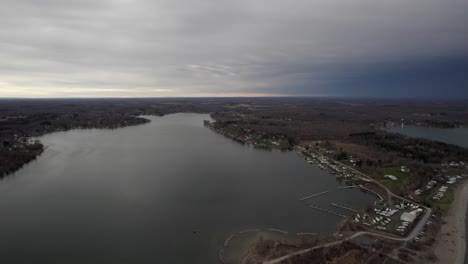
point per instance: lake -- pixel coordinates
(455, 136)
(169, 191)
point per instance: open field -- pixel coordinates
(394, 185)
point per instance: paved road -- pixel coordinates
(331, 244)
(428, 211)
(416, 230)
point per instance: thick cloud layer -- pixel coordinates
(55, 48)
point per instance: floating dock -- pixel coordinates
(312, 196)
(306, 234)
(327, 211)
(344, 206)
(348, 187)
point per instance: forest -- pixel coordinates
(350, 124)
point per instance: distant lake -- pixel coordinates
(169, 191)
(455, 136)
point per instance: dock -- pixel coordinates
(327, 211)
(312, 196)
(344, 206)
(306, 234)
(348, 187)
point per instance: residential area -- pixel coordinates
(389, 214)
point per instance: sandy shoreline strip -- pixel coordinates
(451, 246)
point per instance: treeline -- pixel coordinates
(286, 120)
(13, 157)
(423, 150)
(350, 126)
(22, 119)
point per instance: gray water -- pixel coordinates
(170, 191)
(455, 136)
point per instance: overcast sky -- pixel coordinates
(159, 48)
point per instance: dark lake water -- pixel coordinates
(455, 136)
(170, 191)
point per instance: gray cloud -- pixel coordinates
(186, 48)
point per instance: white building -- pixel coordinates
(407, 217)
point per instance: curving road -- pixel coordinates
(428, 211)
(416, 230)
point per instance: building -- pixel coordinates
(407, 217)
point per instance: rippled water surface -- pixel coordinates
(170, 191)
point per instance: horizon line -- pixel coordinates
(244, 97)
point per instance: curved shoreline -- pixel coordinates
(451, 247)
(36, 135)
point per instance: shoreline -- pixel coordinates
(36, 135)
(451, 246)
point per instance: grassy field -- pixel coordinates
(426, 197)
(444, 203)
(394, 186)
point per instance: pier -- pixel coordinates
(327, 211)
(306, 234)
(312, 196)
(348, 187)
(349, 206)
(344, 206)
